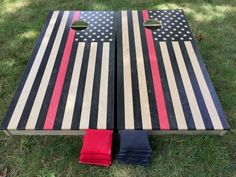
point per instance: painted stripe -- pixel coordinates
(81, 88)
(211, 88)
(134, 74)
(48, 95)
(150, 86)
(166, 88)
(111, 104)
(180, 86)
(203, 86)
(120, 107)
(46, 76)
(179, 114)
(66, 87)
(160, 100)
(197, 117)
(102, 107)
(70, 103)
(86, 106)
(52, 110)
(145, 110)
(196, 89)
(33, 72)
(34, 90)
(128, 96)
(96, 88)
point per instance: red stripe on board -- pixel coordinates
(52, 110)
(161, 106)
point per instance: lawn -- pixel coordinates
(213, 24)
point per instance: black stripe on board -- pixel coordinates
(134, 74)
(80, 92)
(25, 74)
(38, 78)
(183, 97)
(111, 88)
(150, 86)
(196, 88)
(111, 103)
(211, 88)
(201, 103)
(96, 88)
(166, 89)
(65, 89)
(119, 75)
(48, 94)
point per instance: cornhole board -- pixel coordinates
(68, 84)
(162, 83)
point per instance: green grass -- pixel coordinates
(213, 24)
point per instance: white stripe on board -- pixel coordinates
(144, 103)
(46, 75)
(203, 87)
(179, 114)
(128, 96)
(103, 95)
(88, 89)
(32, 74)
(197, 117)
(70, 103)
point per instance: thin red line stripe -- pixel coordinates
(52, 110)
(160, 100)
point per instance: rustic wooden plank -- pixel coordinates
(179, 114)
(86, 106)
(145, 109)
(188, 88)
(70, 104)
(203, 86)
(128, 100)
(102, 109)
(46, 76)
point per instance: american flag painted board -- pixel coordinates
(68, 84)
(162, 82)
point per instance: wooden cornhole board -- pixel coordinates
(68, 84)
(162, 83)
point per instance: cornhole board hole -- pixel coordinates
(68, 84)
(162, 83)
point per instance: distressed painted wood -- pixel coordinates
(162, 83)
(68, 84)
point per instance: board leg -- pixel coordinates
(223, 133)
(7, 132)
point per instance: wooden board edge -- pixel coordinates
(82, 132)
(48, 132)
(188, 132)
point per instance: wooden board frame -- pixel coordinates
(82, 132)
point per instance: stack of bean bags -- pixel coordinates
(134, 147)
(97, 147)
